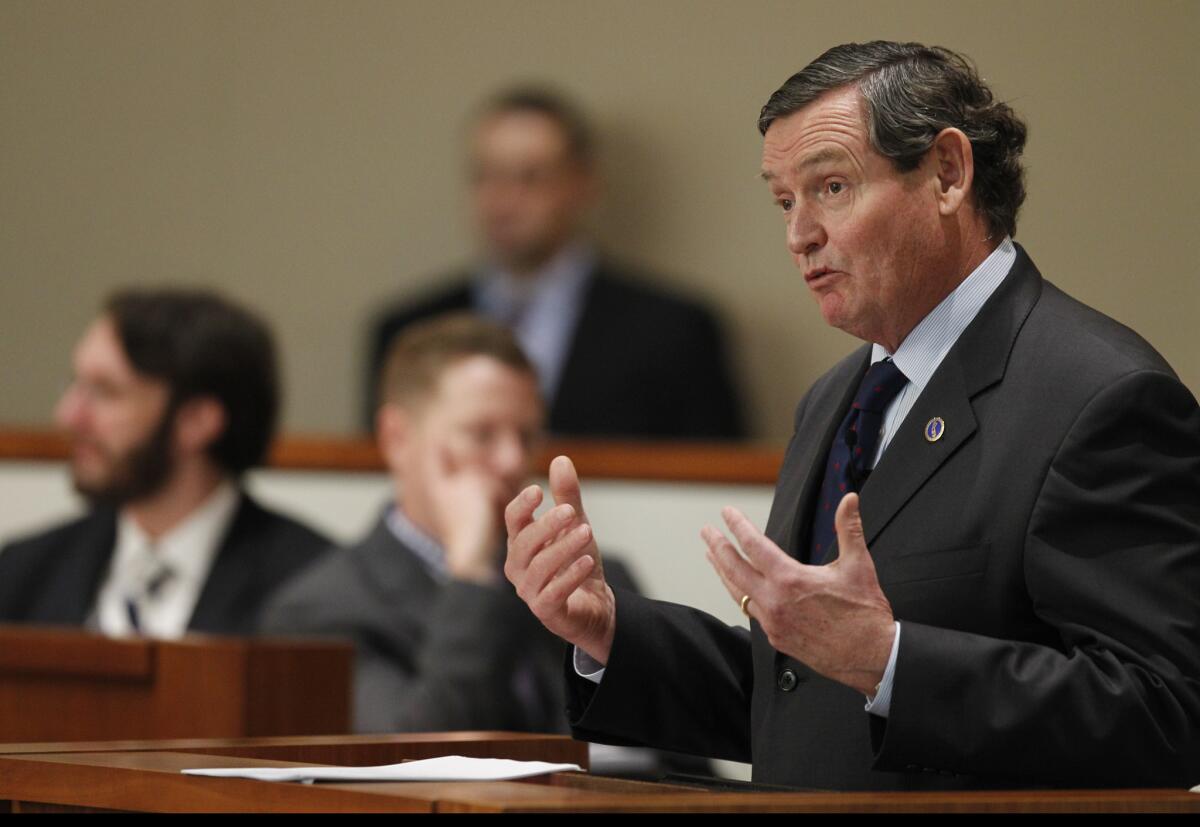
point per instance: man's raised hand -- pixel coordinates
(554, 563)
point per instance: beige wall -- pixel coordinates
(304, 156)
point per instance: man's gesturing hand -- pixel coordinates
(833, 618)
(555, 566)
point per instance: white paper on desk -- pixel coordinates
(446, 768)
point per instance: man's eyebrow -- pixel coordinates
(821, 156)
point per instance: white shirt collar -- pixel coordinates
(922, 351)
(428, 550)
(567, 271)
(188, 550)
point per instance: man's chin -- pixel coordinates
(523, 258)
(109, 491)
(99, 493)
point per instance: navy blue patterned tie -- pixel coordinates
(852, 451)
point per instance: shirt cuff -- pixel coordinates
(587, 667)
(881, 704)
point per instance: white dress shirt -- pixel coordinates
(541, 308)
(162, 578)
(918, 358)
(427, 549)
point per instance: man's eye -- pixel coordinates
(786, 204)
(835, 187)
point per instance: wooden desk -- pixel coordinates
(145, 775)
(342, 750)
(143, 780)
(60, 684)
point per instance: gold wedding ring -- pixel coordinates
(745, 603)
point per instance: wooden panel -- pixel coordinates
(597, 459)
(60, 685)
(480, 798)
(150, 781)
(48, 652)
(327, 674)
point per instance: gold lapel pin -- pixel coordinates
(934, 429)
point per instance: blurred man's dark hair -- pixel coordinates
(201, 344)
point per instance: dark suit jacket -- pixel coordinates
(430, 655)
(642, 363)
(1043, 558)
(53, 578)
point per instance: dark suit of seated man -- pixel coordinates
(982, 564)
(615, 356)
(174, 396)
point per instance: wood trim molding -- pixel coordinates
(596, 459)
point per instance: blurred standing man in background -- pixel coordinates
(987, 525)
(174, 397)
(615, 357)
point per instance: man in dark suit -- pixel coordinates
(615, 357)
(982, 566)
(174, 396)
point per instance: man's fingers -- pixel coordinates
(734, 592)
(762, 553)
(519, 513)
(550, 560)
(564, 483)
(739, 576)
(554, 595)
(847, 521)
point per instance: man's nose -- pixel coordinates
(510, 457)
(805, 235)
(71, 407)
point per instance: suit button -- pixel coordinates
(787, 680)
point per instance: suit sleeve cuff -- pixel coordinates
(881, 704)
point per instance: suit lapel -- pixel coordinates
(74, 596)
(910, 460)
(975, 362)
(802, 530)
(219, 609)
(389, 566)
(587, 348)
(804, 467)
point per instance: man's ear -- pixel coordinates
(199, 422)
(954, 166)
(393, 432)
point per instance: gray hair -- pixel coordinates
(912, 92)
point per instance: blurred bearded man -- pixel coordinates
(174, 396)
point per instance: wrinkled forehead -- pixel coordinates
(832, 127)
